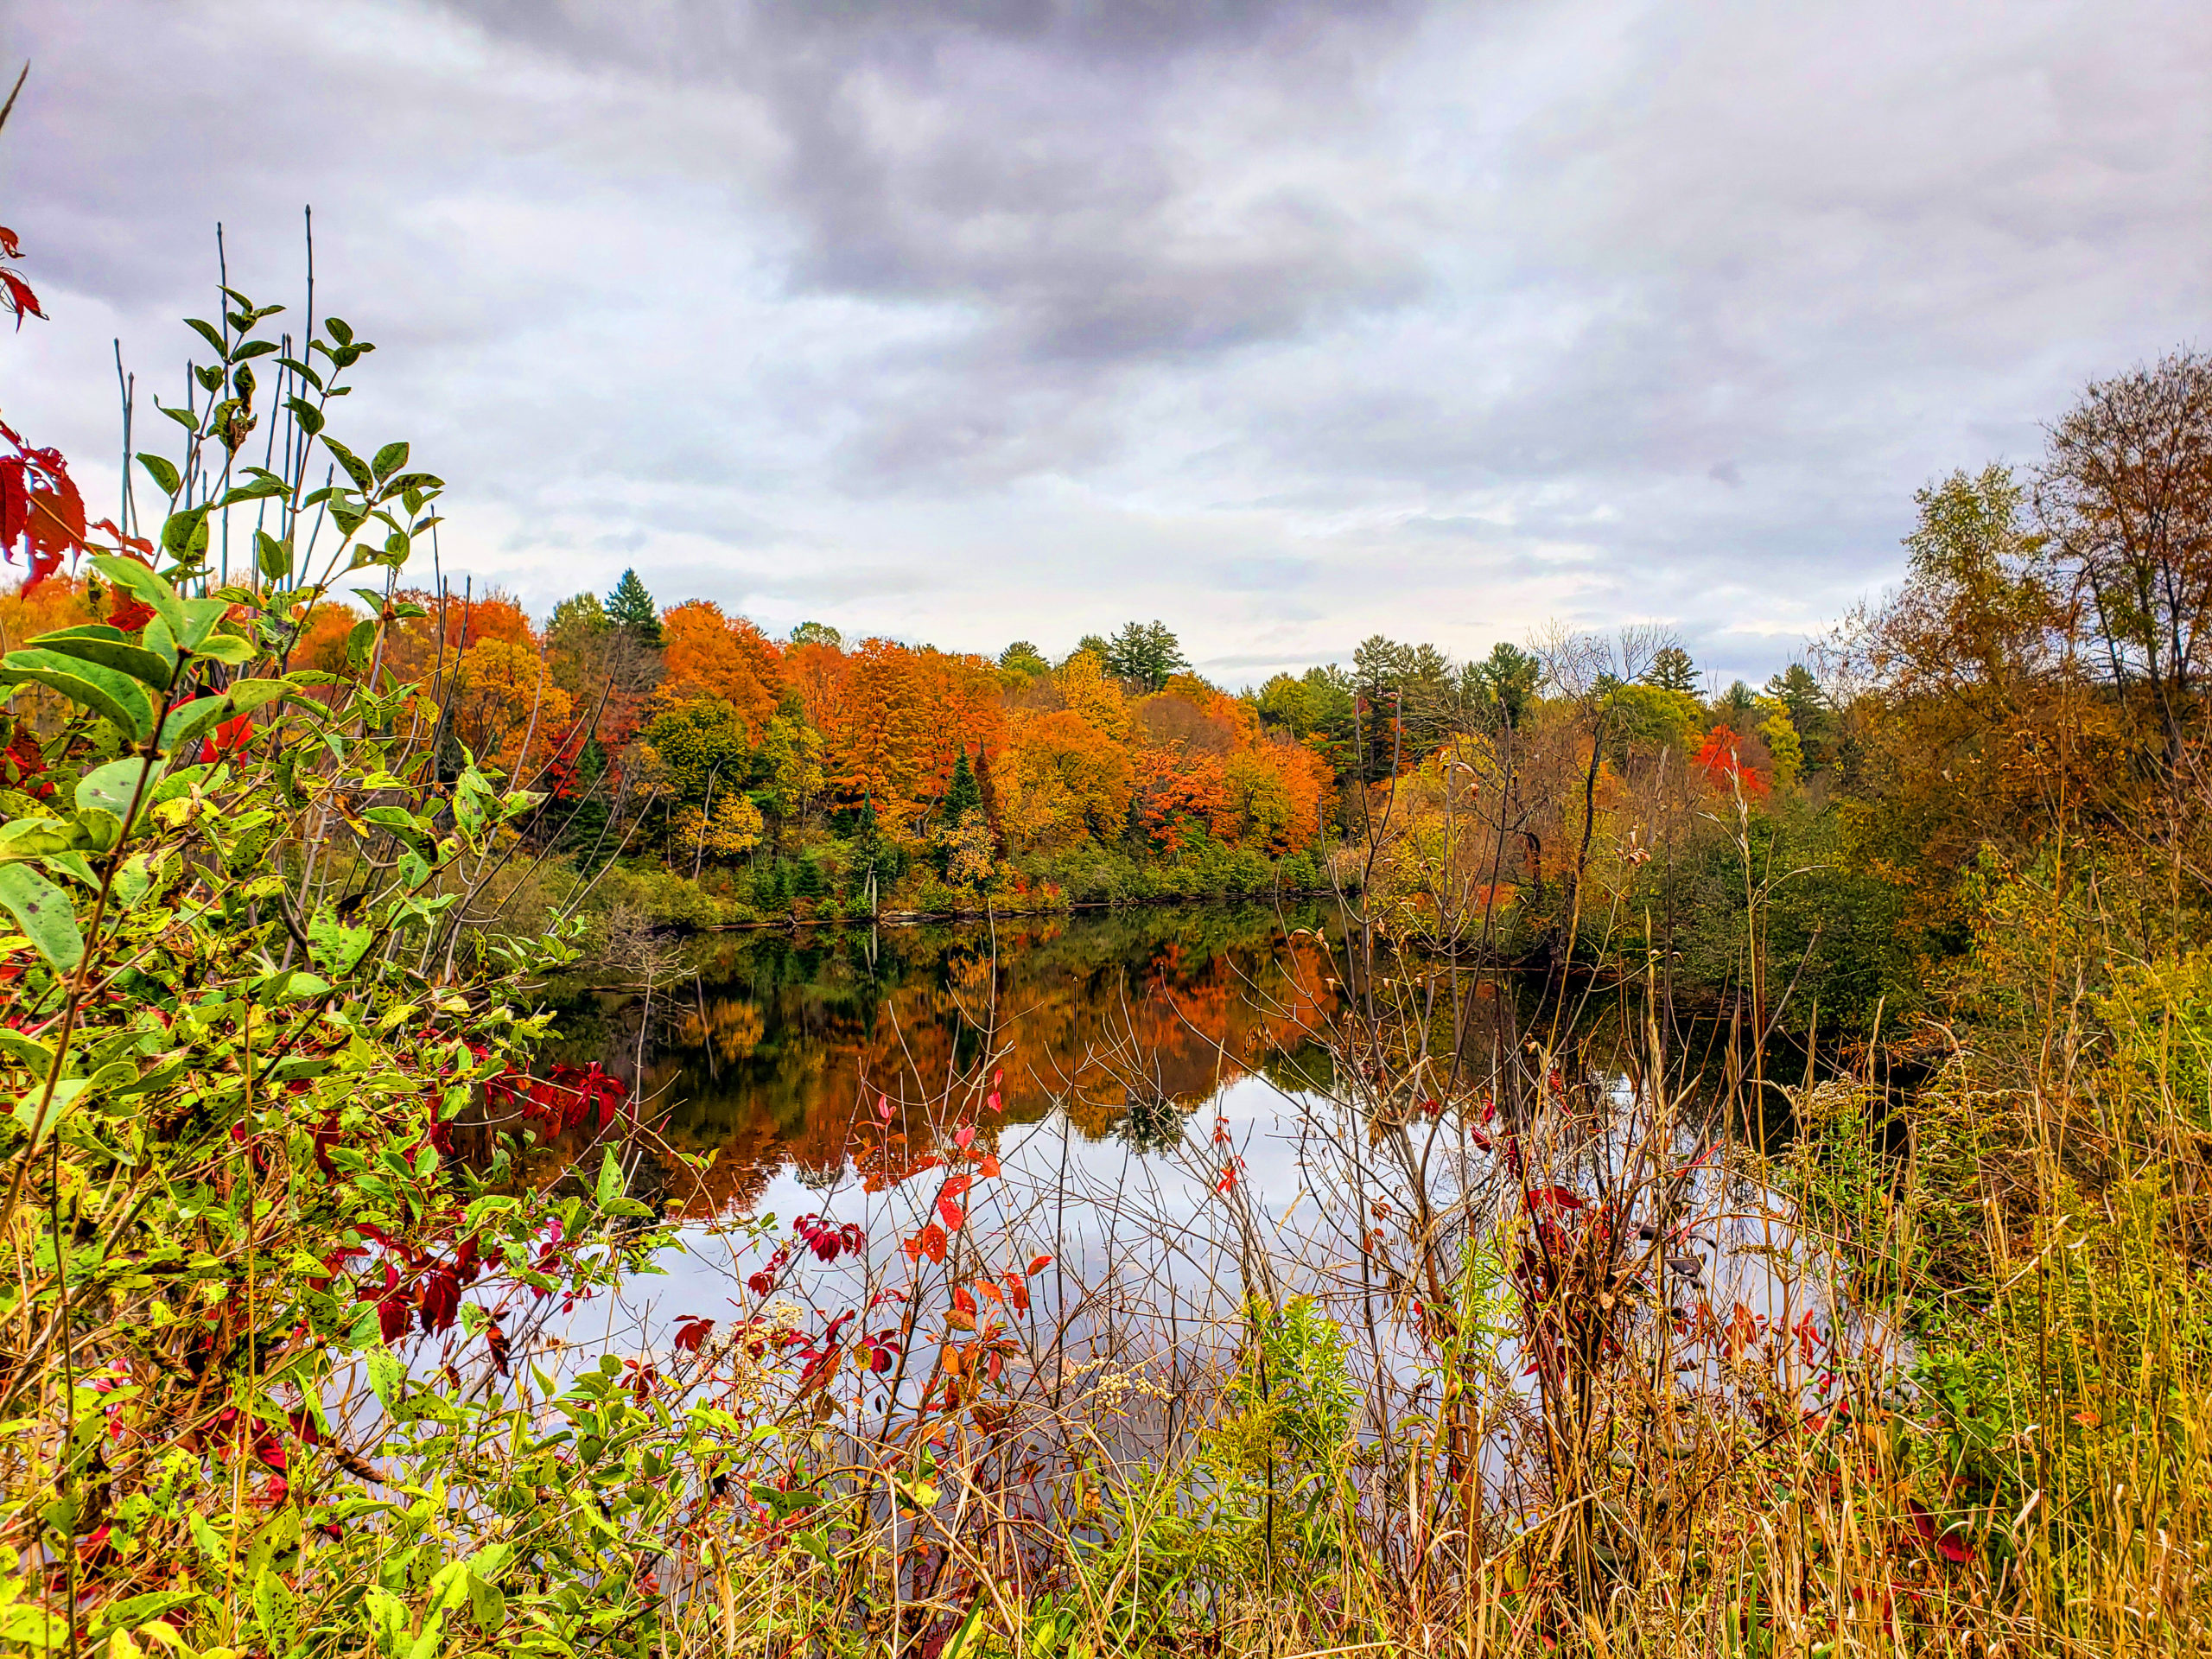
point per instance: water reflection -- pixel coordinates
(775, 1050)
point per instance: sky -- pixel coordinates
(1287, 321)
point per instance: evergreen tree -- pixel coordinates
(1506, 680)
(1733, 707)
(963, 794)
(1672, 670)
(1148, 655)
(630, 606)
(1023, 660)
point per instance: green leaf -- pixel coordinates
(397, 819)
(275, 1610)
(293, 985)
(133, 880)
(180, 530)
(309, 416)
(163, 473)
(105, 690)
(487, 1607)
(274, 556)
(72, 865)
(253, 348)
(389, 459)
(227, 648)
(111, 791)
(95, 642)
(188, 720)
(144, 584)
(208, 332)
(385, 1376)
(968, 1640)
(356, 469)
(611, 1184)
(35, 838)
(339, 330)
(256, 490)
(200, 616)
(134, 1610)
(26, 1052)
(25, 1626)
(358, 639)
(44, 913)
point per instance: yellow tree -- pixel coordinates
(506, 708)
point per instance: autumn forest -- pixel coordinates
(606, 1132)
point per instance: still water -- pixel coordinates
(1154, 1089)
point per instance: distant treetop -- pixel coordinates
(1672, 669)
(1147, 653)
(632, 608)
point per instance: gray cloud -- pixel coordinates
(1286, 321)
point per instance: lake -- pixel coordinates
(1182, 1108)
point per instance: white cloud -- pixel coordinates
(1284, 321)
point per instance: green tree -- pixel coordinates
(1733, 707)
(791, 760)
(963, 795)
(1092, 645)
(695, 745)
(817, 634)
(1811, 717)
(1146, 654)
(1021, 661)
(1782, 743)
(1645, 719)
(1506, 680)
(1672, 670)
(631, 608)
(580, 616)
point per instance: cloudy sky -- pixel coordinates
(1286, 320)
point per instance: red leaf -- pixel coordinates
(964, 1137)
(1551, 1198)
(990, 1166)
(949, 1213)
(1038, 1264)
(15, 501)
(691, 1334)
(19, 297)
(931, 1240)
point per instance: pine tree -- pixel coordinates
(632, 608)
(963, 794)
(1148, 657)
(1672, 670)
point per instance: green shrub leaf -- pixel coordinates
(44, 913)
(96, 642)
(106, 691)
